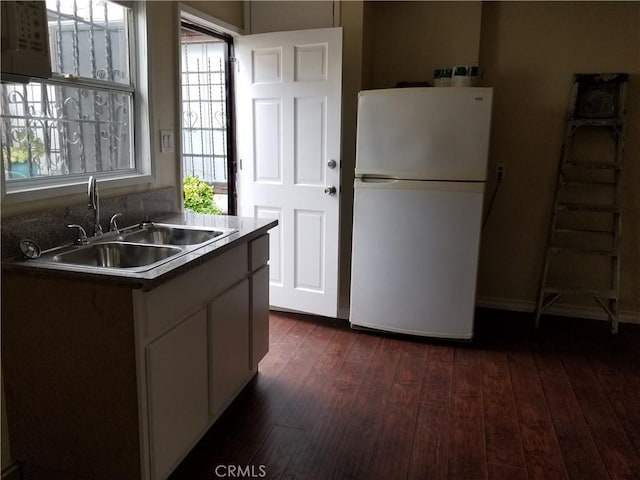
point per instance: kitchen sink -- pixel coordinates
(131, 250)
(117, 255)
(164, 234)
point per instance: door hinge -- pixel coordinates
(236, 62)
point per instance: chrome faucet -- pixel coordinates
(82, 235)
(113, 223)
(94, 205)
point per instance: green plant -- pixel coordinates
(198, 196)
(19, 152)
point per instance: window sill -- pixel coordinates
(76, 186)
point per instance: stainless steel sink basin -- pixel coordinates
(116, 255)
(132, 250)
(161, 234)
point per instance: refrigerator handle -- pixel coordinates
(374, 178)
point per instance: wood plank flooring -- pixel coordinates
(334, 403)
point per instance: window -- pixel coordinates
(81, 121)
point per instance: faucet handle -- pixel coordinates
(113, 225)
(82, 234)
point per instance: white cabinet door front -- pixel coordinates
(178, 394)
(259, 315)
(289, 112)
(229, 334)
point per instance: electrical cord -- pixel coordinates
(493, 199)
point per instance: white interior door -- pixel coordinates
(289, 112)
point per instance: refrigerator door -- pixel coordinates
(424, 133)
(414, 257)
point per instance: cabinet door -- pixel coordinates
(259, 315)
(229, 339)
(177, 392)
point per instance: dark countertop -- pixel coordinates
(247, 230)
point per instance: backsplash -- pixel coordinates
(49, 228)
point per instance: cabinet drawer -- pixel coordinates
(161, 307)
(258, 252)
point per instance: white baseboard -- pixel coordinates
(498, 303)
(579, 311)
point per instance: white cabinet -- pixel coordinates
(262, 17)
(194, 330)
(203, 334)
(144, 373)
(177, 391)
(229, 341)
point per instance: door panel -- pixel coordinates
(268, 140)
(289, 112)
(310, 139)
(311, 62)
(309, 238)
(266, 65)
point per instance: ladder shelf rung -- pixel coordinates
(592, 292)
(588, 207)
(588, 165)
(584, 230)
(613, 252)
(588, 183)
(595, 122)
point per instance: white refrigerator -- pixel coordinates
(421, 167)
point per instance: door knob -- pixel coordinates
(332, 163)
(330, 190)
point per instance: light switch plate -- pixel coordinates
(166, 141)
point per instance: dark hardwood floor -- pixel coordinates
(334, 403)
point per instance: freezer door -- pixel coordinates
(415, 257)
(424, 133)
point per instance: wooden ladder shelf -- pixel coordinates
(582, 253)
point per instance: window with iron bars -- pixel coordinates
(80, 121)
